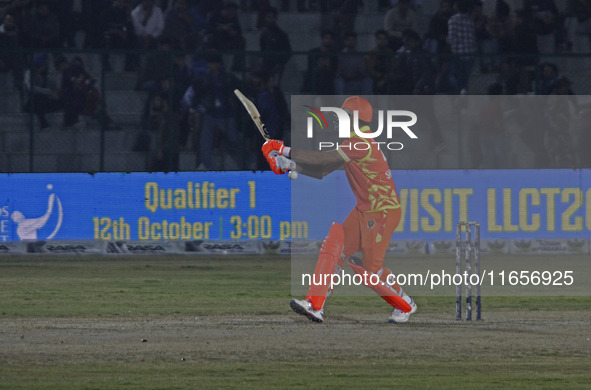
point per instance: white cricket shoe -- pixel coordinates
(304, 307)
(398, 316)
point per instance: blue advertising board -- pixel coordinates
(515, 204)
(144, 206)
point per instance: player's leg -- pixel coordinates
(352, 230)
(330, 261)
(377, 244)
(352, 244)
(340, 241)
(330, 253)
(356, 227)
(320, 286)
(373, 281)
(375, 240)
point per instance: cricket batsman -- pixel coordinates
(369, 226)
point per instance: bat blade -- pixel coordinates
(254, 114)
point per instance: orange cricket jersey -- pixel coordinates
(368, 173)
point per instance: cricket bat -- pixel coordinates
(254, 114)
(256, 118)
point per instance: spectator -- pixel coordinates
(524, 56)
(322, 66)
(436, 43)
(199, 11)
(548, 75)
(75, 86)
(115, 27)
(352, 78)
(114, 30)
(339, 16)
(415, 68)
(10, 57)
(305, 5)
(44, 27)
(487, 46)
(207, 8)
(398, 19)
(166, 74)
(462, 40)
(275, 45)
(416, 73)
(271, 102)
(415, 5)
(489, 7)
(181, 80)
(41, 97)
(148, 22)
(190, 119)
(381, 64)
(166, 154)
(212, 95)
(558, 139)
(491, 127)
(224, 33)
(75, 16)
(162, 152)
(436, 37)
(529, 118)
(580, 11)
(501, 28)
(21, 11)
(156, 119)
(155, 71)
(181, 26)
(524, 39)
(261, 9)
(544, 19)
(79, 95)
(198, 63)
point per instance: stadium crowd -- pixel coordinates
(185, 77)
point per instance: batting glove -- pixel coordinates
(274, 147)
(281, 164)
(275, 166)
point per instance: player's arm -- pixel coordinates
(316, 164)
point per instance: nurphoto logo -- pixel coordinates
(394, 119)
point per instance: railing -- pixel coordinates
(122, 133)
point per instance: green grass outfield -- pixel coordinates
(44, 295)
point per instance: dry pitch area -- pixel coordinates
(510, 335)
(162, 323)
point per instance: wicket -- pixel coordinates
(471, 250)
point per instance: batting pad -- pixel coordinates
(331, 249)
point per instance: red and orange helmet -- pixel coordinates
(357, 103)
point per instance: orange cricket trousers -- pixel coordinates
(370, 233)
